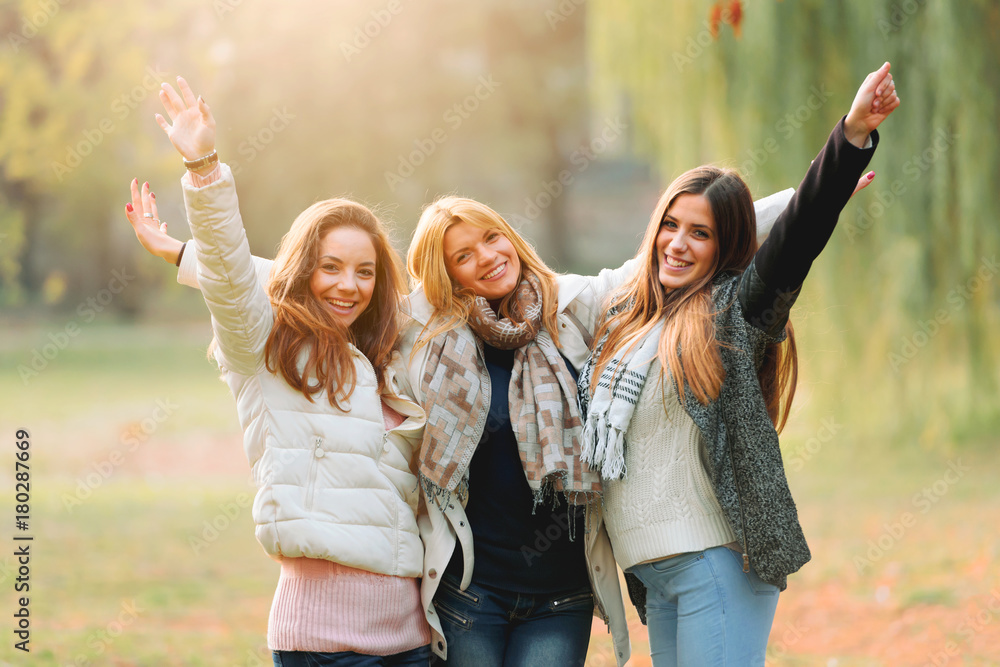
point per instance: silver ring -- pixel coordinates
(147, 215)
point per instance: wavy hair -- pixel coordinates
(688, 345)
(302, 324)
(452, 303)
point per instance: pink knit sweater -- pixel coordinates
(328, 607)
(325, 606)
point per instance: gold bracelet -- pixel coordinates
(198, 163)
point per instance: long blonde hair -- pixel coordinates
(302, 322)
(688, 345)
(452, 303)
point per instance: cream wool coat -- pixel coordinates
(331, 484)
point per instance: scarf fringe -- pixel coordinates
(441, 496)
(547, 493)
(614, 457)
(603, 448)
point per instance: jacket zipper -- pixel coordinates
(313, 465)
(739, 501)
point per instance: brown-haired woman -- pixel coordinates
(683, 399)
(309, 354)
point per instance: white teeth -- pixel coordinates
(677, 262)
(494, 272)
(340, 304)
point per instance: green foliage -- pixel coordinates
(78, 83)
(897, 314)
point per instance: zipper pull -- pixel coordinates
(746, 563)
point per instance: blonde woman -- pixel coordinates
(694, 372)
(308, 350)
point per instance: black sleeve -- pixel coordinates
(771, 283)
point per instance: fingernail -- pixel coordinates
(146, 185)
(871, 175)
(152, 195)
(128, 207)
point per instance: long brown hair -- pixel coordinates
(688, 345)
(452, 302)
(302, 323)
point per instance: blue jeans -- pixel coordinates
(703, 610)
(487, 627)
(418, 657)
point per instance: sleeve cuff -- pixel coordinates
(199, 181)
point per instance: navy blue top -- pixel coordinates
(516, 550)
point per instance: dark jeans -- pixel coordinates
(418, 657)
(486, 627)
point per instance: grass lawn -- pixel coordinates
(144, 554)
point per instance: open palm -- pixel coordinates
(191, 128)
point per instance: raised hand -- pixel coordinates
(149, 229)
(191, 128)
(876, 99)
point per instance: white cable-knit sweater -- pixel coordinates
(665, 505)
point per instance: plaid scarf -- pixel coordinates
(608, 414)
(542, 400)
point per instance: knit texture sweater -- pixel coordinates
(665, 504)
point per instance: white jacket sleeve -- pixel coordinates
(187, 272)
(241, 312)
(768, 209)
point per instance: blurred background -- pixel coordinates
(569, 117)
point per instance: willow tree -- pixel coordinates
(897, 316)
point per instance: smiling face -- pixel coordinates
(482, 260)
(344, 277)
(686, 245)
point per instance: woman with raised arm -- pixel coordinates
(309, 352)
(694, 371)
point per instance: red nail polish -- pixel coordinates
(146, 185)
(871, 175)
(152, 195)
(128, 207)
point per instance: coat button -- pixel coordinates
(432, 573)
(440, 646)
(320, 453)
(597, 568)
